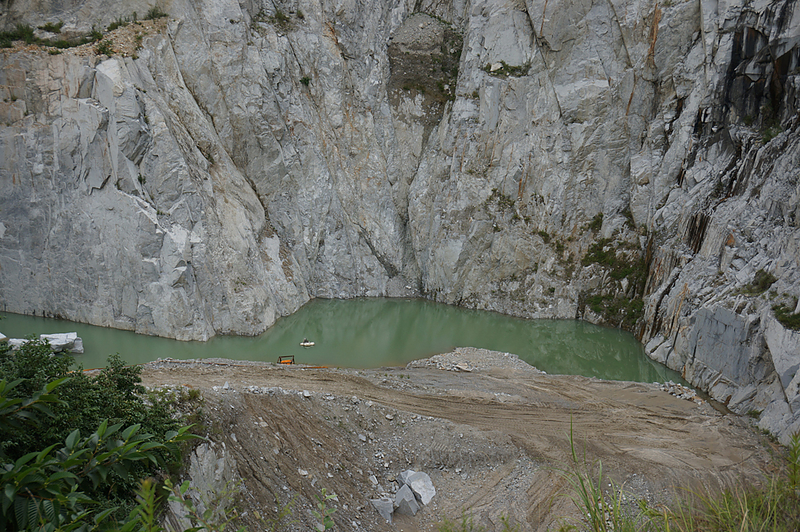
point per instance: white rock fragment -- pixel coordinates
(405, 501)
(422, 486)
(384, 506)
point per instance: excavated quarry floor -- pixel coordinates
(491, 431)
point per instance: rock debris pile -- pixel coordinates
(416, 490)
(681, 392)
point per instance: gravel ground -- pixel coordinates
(490, 430)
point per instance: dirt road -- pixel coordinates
(491, 431)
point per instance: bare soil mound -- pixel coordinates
(491, 431)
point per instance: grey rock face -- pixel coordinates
(240, 166)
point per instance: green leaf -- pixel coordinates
(9, 490)
(58, 475)
(101, 430)
(21, 511)
(130, 431)
(104, 514)
(71, 439)
(49, 511)
(50, 386)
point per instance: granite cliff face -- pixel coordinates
(626, 162)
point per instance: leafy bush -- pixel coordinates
(281, 20)
(83, 403)
(94, 35)
(50, 489)
(605, 254)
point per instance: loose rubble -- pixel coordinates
(416, 490)
(681, 392)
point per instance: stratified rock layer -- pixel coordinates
(627, 162)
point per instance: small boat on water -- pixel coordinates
(306, 343)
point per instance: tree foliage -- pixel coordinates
(54, 477)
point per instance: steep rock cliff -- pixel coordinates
(627, 162)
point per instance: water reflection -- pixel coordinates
(363, 333)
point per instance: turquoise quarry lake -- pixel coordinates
(369, 333)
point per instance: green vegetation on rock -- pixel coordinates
(623, 261)
(762, 280)
(786, 317)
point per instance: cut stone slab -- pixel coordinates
(405, 501)
(59, 342)
(384, 506)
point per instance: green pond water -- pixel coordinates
(369, 333)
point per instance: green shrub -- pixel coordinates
(114, 397)
(770, 133)
(305, 80)
(105, 47)
(51, 488)
(596, 223)
(94, 35)
(51, 27)
(154, 13)
(604, 253)
(786, 317)
(22, 32)
(119, 23)
(762, 280)
(281, 20)
(545, 236)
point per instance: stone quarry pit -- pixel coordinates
(491, 431)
